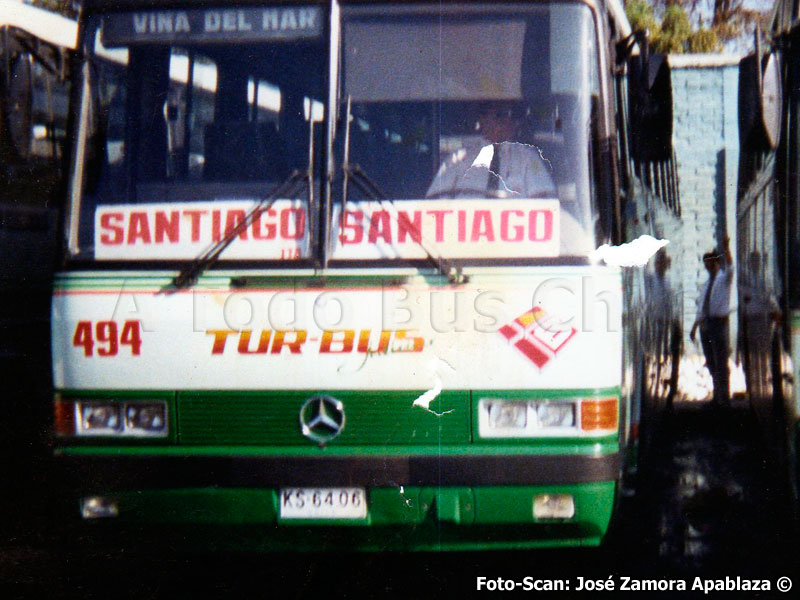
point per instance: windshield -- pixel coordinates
(477, 121)
(461, 131)
(190, 118)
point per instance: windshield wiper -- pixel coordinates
(189, 274)
(362, 180)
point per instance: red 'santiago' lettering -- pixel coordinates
(409, 227)
(540, 225)
(139, 228)
(439, 216)
(168, 227)
(216, 219)
(232, 220)
(194, 216)
(113, 233)
(380, 226)
(519, 230)
(482, 226)
(268, 231)
(293, 223)
(352, 230)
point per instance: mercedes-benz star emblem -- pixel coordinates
(322, 419)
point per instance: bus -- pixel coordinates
(35, 50)
(35, 47)
(768, 247)
(280, 316)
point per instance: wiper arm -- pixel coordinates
(368, 186)
(364, 182)
(188, 275)
(361, 179)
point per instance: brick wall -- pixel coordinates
(705, 136)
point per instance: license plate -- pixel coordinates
(323, 503)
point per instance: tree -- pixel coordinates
(675, 30)
(731, 19)
(678, 26)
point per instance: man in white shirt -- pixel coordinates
(665, 325)
(497, 165)
(712, 319)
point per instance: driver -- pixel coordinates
(497, 164)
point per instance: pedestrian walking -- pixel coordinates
(713, 320)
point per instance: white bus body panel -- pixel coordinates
(553, 328)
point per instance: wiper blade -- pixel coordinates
(365, 182)
(361, 179)
(188, 275)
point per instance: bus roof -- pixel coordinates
(43, 24)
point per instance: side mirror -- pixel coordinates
(760, 100)
(650, 105)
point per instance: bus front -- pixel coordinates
(328, 279)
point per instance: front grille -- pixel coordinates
(273, 418)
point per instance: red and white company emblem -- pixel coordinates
(537, 336)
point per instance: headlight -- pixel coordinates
(99, 419)
(525, 418)
(556, 414)
(508, 415)
(87, 418)
(557, 417)
(148, 418)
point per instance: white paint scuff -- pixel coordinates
(425, 399)
(632, 254)
(484, 158)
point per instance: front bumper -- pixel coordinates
(414, 502)
(141, 471)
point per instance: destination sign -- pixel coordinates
(464, 228)
(184, 230)
(212, 25)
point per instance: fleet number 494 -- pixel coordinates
(108, 336)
